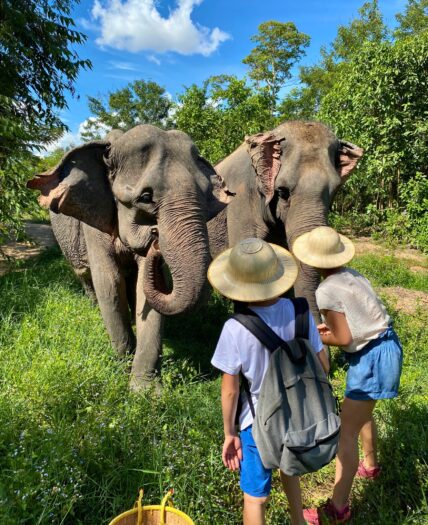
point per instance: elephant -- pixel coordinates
(123, 207)
(280, 184)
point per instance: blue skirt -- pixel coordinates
(374, 372)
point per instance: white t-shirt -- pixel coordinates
(348, 292)
(239, 350)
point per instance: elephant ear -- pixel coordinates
(265, 153)
(220, 197)
(79, 187)
(347, 159)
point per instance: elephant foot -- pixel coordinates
(145, 382)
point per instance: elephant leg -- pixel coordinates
(110, 289)
(149, 326)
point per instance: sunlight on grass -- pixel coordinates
(75, 444)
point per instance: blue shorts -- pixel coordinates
(374, 372)
(256, 480)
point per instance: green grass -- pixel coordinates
(387, 270)
(75, 444)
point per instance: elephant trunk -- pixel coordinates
(304, 216)
(183, 246)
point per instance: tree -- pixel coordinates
(279, 47)
(38, 66)
(219, 114)
(319, 79)
(413, 20)
(381, 103)
(140, 102)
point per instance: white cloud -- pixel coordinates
(155, 60)
(124, 66)
(137, 25)
(72, 139)
(67, 139)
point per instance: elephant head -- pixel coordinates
(153, 190)
(293, 172)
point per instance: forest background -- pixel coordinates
(369, 85)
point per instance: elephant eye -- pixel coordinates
(283, 192)
(146, 197)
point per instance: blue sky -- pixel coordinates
(180, 42)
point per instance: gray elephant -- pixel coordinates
(120, 209)
(279, 185)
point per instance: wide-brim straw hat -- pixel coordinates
(323, 247)
(253, 270)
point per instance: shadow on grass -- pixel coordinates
(194, 336)
(190, 337)
(399, 495)
(23, 287)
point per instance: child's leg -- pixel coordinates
(291, 486)
(368, 435)
(254, 510)
(355, 414)
(255, 480)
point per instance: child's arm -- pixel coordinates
(336, 330)
(232, 452)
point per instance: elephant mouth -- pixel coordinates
(160, 270)
(145, 244)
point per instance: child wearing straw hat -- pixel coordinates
(356, 320)
(256, 273)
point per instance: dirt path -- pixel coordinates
(404, 300)
(41, 237)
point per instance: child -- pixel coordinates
(256, 273)
(356, 320)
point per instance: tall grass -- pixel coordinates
(76, 444)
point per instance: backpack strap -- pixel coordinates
(301, 309)
(269, 339)
(264, 333)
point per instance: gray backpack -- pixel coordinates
(296, 425)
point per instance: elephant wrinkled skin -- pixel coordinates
(280, 184)
(122, 208)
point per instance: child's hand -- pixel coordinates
(232, 452)
(323, 329)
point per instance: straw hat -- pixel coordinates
(323, 247)
(253, 270)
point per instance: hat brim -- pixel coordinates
(302, 251)
(237, 290)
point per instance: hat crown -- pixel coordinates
(325, 241)
(252, 260)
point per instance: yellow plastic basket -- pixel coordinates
(163, 514)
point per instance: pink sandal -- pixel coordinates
(327, 513)
(368, 472)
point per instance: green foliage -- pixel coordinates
(51, 160)
(413, 20)
(316, 81)
(279, 47)
(219, 114)
(409, 222)
(368, 27)
(75, 444)
(38, 66)
(140, 102)
(16, 200)
(381, 104)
